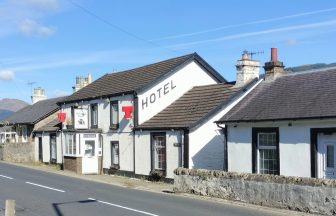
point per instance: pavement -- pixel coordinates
(157, 187)
(121, 181)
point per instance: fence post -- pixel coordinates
(10, 208)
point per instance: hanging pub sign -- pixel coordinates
(61, 117)
(128, 112)
(81, 119)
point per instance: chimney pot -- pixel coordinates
(274, 55)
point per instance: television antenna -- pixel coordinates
(31, 86)
(251, 53)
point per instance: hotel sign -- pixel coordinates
(157, 94)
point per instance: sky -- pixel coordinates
(47, 43)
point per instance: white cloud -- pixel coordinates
(18, 16)
(7, 75)
(32, 28)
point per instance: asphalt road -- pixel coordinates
(42, 193)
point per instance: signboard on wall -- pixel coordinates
(81, 119)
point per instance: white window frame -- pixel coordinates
(260, 147)
(71, 149)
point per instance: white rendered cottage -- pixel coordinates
(36, 125)
(185, 133)
(98, 131)
(286, 125)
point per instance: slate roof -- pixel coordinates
(194, 106)
(52, 126)
(131, 80)
(294, 96)
(34, 113)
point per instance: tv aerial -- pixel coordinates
(253, 53)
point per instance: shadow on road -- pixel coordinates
(56, 206)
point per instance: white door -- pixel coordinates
(90, 158)
(327, 156)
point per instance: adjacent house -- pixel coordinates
(285, 126)
(28, 126)
(98, 133)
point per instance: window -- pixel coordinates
(114, 115)
(330, 156)
(266, 151)
(89, 148)
(70, 144)
(24, 133)
(115, 154)
(94, 116)
(159, 151)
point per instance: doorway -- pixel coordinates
(90, 154)
(40, 149)
(53, 149)
(327, 156)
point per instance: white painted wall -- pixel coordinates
(46, 147)
(239, 149)
(125, 150)
(143, 152)
(36, 147)
(174, 153)
(184, 79)
(206, 141)
(294, 145)
(59, 148)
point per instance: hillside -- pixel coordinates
(12, 104)
(9, 106)
(4, 114)
(309, 67)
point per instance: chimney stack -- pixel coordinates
(274, 68)
(247, 70)
(38, 95)
(81, 82)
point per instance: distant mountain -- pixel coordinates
(9, 106)
(4, 114)
(12, 104)
(310, 67)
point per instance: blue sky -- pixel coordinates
(50, 42)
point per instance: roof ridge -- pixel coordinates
(151, 64)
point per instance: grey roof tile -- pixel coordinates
(33, 113)
(294, 96)
(134, 79)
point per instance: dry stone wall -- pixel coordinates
(18, 152)
(295, 193)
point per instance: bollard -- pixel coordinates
(10, 208)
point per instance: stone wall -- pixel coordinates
(18, 152)
(295, 193)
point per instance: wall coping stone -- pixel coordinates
(279, 179)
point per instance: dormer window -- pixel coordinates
(114, 121)
(94, 116)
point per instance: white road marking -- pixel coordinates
(123, 207)
(50, 188)
(6, 177)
